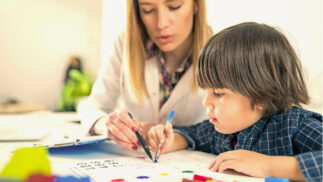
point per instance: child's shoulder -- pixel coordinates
(296, 117)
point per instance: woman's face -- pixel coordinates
(169, 23)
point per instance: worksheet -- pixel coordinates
(140, 168)
(109, 162)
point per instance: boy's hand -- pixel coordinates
(258, 165)
(243, 161)
(156, 134)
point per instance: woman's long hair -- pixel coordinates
(136, 50)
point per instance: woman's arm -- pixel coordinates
(106, 89)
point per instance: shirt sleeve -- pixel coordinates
(308, 144)
(198, 136)
(311, 165)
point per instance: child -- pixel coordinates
(255, 88)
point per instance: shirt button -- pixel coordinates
(154, 93)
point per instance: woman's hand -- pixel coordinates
(157, 133)
(243, 161)
(121, 128)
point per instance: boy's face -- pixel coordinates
(230, 111)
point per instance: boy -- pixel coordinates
(255, 88)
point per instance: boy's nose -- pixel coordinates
(206, 101)
(209, 102)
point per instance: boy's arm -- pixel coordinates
(179, 143)
(197, 136)
(290, 167)
(307, 144)
(285, 167)
(311, 165)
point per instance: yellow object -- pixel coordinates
(164, 174)
(27, 161)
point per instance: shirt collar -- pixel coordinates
(152, 49)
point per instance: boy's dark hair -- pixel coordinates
(257, 61)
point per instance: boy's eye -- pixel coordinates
(174, 7)
(218, 94)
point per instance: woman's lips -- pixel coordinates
(165, 39)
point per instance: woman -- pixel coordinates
(151, 70)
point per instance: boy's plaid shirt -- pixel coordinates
(297, 132)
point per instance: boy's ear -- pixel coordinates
(260, 107)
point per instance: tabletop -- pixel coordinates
(108, 161)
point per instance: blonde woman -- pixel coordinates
(151, 71)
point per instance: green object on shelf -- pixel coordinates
(78, 85)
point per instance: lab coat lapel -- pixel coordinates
(152, 83)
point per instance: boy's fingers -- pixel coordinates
(221, 158)
(212, 165)
(152, 137)
(226, 165)
(169, 129)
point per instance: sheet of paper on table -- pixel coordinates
(136, 166)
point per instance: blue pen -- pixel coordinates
(161, 144)
(275, 179)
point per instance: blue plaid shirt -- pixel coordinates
(297, 132)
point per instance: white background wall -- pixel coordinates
(38, 36)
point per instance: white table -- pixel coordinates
(62, 161)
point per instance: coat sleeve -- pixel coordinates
(308, 144)
(106, 89)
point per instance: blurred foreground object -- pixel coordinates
(26, 161)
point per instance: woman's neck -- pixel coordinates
(174, 58)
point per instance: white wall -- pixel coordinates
(300, 20)
(113, 22)
(37, 37)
